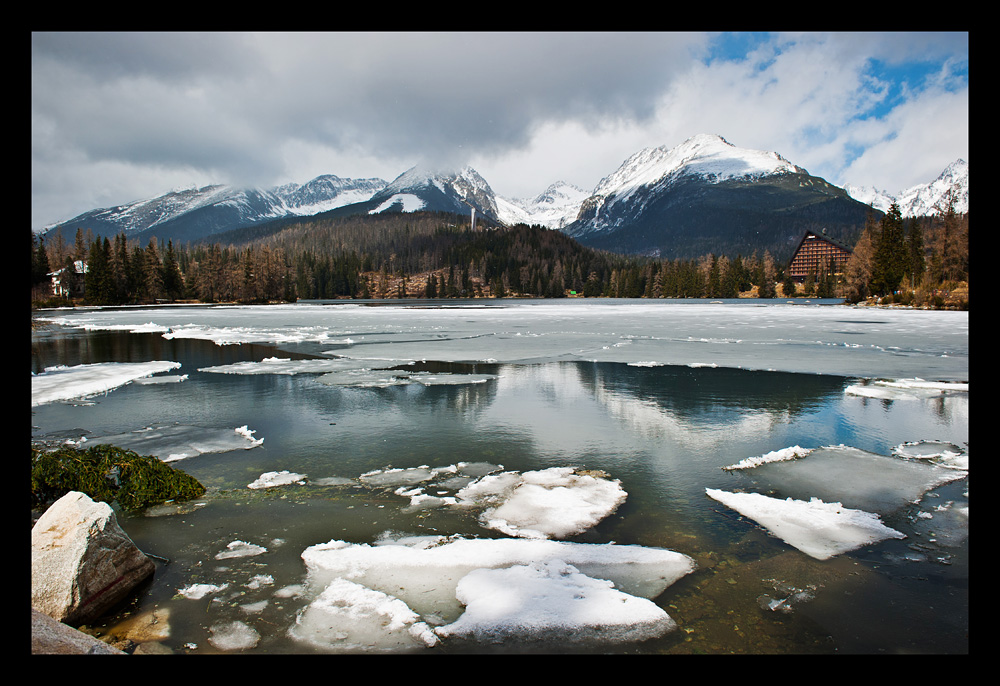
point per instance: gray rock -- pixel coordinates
(49, 637)
(82, 563)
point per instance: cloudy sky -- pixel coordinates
(117, 117)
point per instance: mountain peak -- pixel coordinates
(923, 199)
(707, 155)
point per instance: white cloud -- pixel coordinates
(120, 116)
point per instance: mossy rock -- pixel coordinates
(109, 474)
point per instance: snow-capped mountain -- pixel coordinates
(194, 213)
(554, 208)
(435, 190)
(923, 199)
(707, 195)
(325, 193)
(704, 195)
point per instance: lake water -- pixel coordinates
(656, 396)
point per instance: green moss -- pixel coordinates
(109, 474)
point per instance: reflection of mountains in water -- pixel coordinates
(692, 392)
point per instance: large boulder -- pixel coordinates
(82, 563)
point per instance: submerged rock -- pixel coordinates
(82, 562)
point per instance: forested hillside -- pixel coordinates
(438, 255)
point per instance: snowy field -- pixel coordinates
(496, 468)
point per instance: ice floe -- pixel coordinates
(551, 600)
(199, 591)
(85, 380)
(274, 479)
(550, 503)
(348, 616)
(857, 478)
(285, 366)
(938, 452)
(424, 575)
(557, 502)
(906, 389)
(234, 635)
(240, 549)
(157, 380)
(179, 441)
(820, 530)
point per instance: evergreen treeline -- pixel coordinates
(916, 261)
(436, 255)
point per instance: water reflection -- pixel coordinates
(665, 432)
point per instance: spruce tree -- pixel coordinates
(915, 253)
(890, 257)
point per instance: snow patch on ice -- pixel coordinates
(781, 455)
(425, 573)
(548, 503)
(348, 616)
(551, 599)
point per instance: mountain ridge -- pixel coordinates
(657, 200)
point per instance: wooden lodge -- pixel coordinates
(814, 253)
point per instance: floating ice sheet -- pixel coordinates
(157, 380)
(906, 389)
(820, 530)
(900, 344)
(84, 380)
(279, 365)
(179, 441)
(937, 452)
(857, 478)
(382, 378)
(425, 573)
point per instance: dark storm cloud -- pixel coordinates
(414, 94)
(226, 104)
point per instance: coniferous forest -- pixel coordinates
(920, 261)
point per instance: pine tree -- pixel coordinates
(173, 281)
(890, 257)
(916, 261)
(39, 261)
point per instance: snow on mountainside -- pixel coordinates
(621, 196)
(554, 208)
(707, 155)
(447, 190)
(923, 199)
(325, 193)
(239, 206)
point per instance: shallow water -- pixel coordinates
(595, 387)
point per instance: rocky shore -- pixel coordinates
(83, 564)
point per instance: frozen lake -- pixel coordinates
(516, 476)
